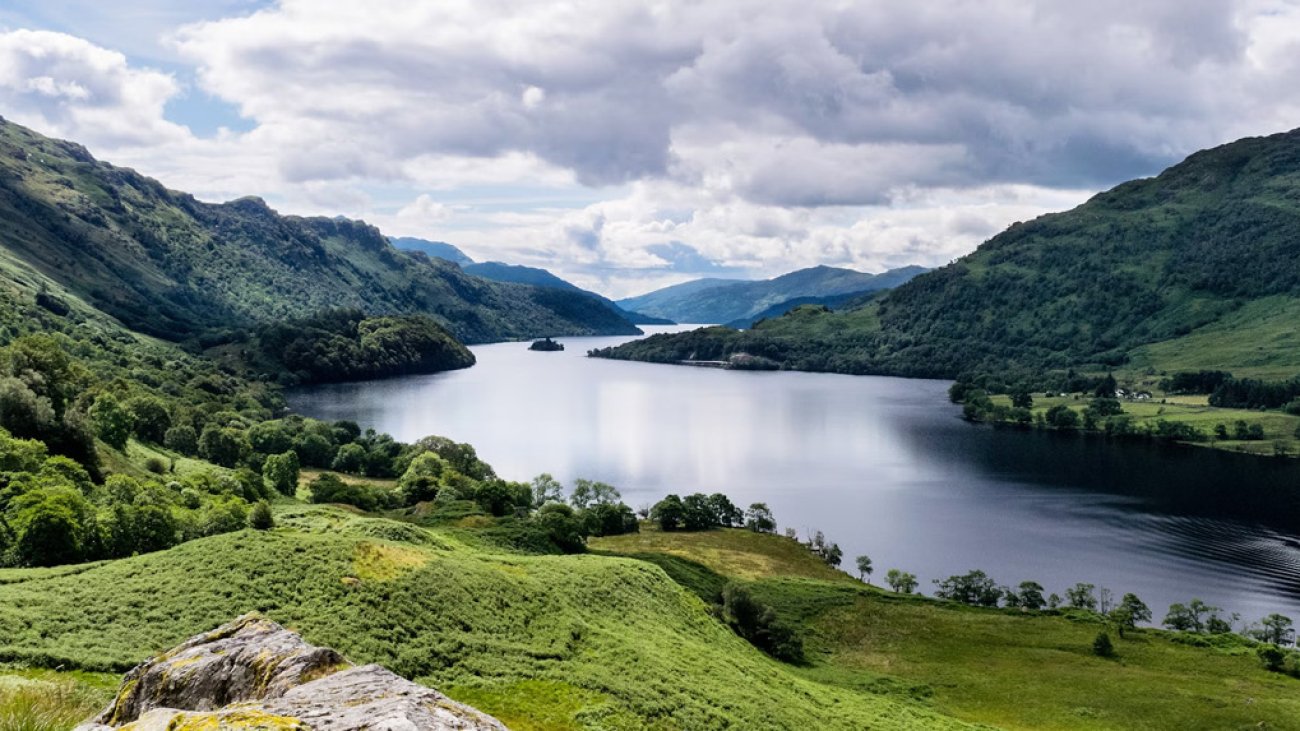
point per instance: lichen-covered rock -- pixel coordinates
(255, 674)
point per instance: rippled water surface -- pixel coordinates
(884, 466)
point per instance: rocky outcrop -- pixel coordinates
(255, 674)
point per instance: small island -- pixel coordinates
(546, 345)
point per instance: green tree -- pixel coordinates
(423, 477)
(270, 437)
(1062, 417)
(281, 471)
(603, 519)
(260, 518)
(1277, 628)
(757, 623)
(50, 526)
(563, 527)
(547, 489)
(1136, 609)
(669, 513)
(314, 450)
(587, 493)
(350, 459)
(974, 587)
(1272, 657)
(112, 422)
(697, 512)
(150, 418)
(759, 518)
(1029, 595)
(725, 513)
(226, 446)
(864, 568)
(182, 438)
(1022, 399)
(901, 581)
(1082, 596)
(155, 528)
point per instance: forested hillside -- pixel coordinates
(170, 265)
(1148, 275)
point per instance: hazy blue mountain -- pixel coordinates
(435, 249)
(724, 300)
(519, 274)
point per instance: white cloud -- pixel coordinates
(73, 88)
(595, 137)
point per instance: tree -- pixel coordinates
(182, 438)
(587, 493)
(757, 623)
(547, 489)
(864, 568)
(50, 526)
(1029, 595)
(603, 519)
(282, 471)
(350, 459)
(1102, 646)
(1061, 416)
(270, 437)
(669, 513)
(1106, 387)
(112, 422)
(900, 581)
(562, 526)
(260, 518)
(1081, 596)
(697, 513)
(1053, 600)
(1130, 611)
(1021, 399)
(155, 528)
(974, 587)
(759, 518)
(150, 418)
(423, 478)
(225, 446)
(1276, 629)
(725, 513)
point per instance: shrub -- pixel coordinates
(260, 518)
(1102, 646)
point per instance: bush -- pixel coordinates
(1102, 647)
(757, 623)
(155, 465)
(1272, 657)
(260, 518)
(330, 488)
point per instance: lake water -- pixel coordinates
(884, 466)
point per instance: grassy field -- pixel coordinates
(1279, 428)
(997, 667)
(545, 642)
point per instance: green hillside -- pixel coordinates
(542, 642)
(167, 264)
(1198, 267)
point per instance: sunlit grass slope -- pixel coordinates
(544, 642)
(997, 667)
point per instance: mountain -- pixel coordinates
(519, 274)
(833, 302)
(434, 249)
(167, 264)
(1198, 267)
(721, 300)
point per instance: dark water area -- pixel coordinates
(884, 466)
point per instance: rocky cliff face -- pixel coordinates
(255, 674)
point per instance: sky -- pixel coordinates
(630, 145)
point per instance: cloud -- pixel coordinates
(834, 103)
(70, 87)
(622, 143)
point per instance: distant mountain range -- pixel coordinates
(517, 274)
(739, 302)
(1196, 268)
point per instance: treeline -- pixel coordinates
(1101, 415)
(1194, 620)
(347, 345)
(53, 513)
